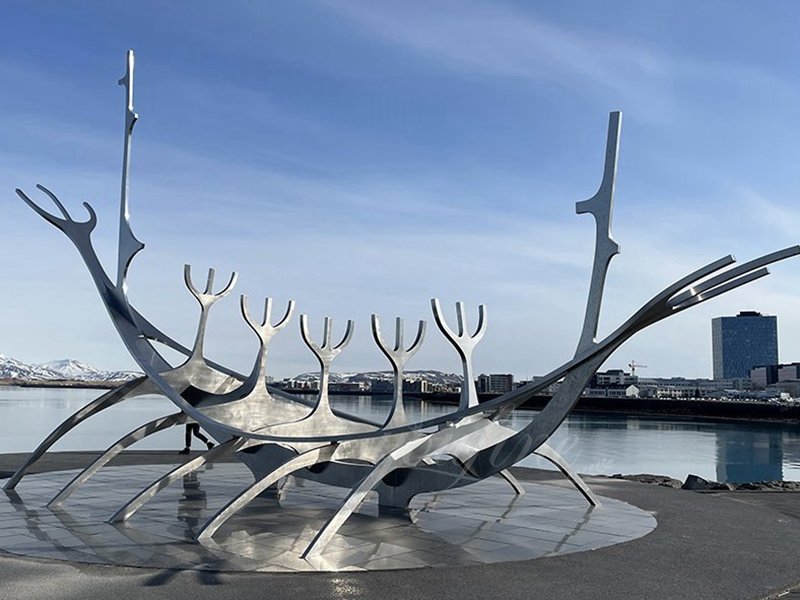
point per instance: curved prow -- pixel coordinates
(600, 206)
(129, 246)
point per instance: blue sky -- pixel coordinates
(365, 157)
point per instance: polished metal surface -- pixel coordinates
(206, 299)
(546, 452)
(207, 457)
(129, 246)
(124, 442)
(325, 353)
(274, 434)
(397, 356)
(600, 207)
(462, 528)
(464, 344)
(246, 496)
(407, 455)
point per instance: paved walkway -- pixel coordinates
(706, 545)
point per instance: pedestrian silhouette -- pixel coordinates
(193, 429)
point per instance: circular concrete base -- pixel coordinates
(478, 524)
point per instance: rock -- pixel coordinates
(724, 487)
(697, 483)
(749, 486)
(769, 486)
(662, 480)
(659, 480)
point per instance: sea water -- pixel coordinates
(593, 443)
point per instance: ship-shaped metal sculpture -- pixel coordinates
(277, 435)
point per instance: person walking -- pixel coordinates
(193, 429)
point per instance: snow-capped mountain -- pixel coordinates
(433, 377)
(11, 368)
(69, 368)
(58, 370)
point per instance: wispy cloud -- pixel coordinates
(385, 156)
(777, 215)
(495, 39)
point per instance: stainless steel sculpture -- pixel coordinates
(398, 357)
(277, 435)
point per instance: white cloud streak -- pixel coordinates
(371, 240)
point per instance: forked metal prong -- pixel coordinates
(397, 356)
(67, 224)
(266, 328)
(207, 297)
(733, 273)
(721, 289)
(464, 344)
(209, 281)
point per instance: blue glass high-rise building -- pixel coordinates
(740, 343)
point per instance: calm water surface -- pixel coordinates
(596, 444)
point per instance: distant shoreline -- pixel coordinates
(63, 383)
(686, 408)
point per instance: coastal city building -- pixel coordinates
(616, 383)
(376, 383)
(418, 386)
(495, 383)
(782, 378)
(764, 375)
(613, 377)
(764, 382)
(683, 387)
(743, 342)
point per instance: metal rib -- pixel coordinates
(752, 265)
(409, 454)
(135, 503)
(722, 289)
(546, 452)
(351, 503)
(512, 481)
(246, 496)
(124, 442)
(95, 406)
